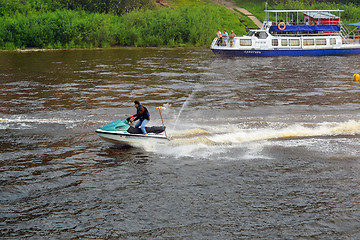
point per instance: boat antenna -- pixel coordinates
(266, 13)
(159, 108)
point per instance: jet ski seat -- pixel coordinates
(155, 129)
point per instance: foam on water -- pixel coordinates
(34, 120)
(196, 132)
(298, 130)
(350, 127)
(27, 123)
(194, 140)
(201, 143)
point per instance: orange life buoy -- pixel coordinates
(281, 26)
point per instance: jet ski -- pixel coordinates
(120, 131)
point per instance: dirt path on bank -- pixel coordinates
(230, 5)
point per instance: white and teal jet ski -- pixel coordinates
(120, 131)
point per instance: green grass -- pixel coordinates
(60, 29)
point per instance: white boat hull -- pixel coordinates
(135, 140)
(287, 52)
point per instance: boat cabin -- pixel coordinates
(321, 18)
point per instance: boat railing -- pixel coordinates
(221, 42)
(295, 34)
(297, 16)
(345, 33)
(355, 41)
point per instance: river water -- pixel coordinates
(263, 148)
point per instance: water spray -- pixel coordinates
(184, 105)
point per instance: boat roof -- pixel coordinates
(306, 28)
(354, 24)
(257, 30)
(303, 11)
(321, 15)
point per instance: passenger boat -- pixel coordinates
(303, 32)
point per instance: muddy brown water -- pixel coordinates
(263, 148)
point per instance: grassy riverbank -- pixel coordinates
(47, 25)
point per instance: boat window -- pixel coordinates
(309, 42)
(261, 35)
(294, 42)
(332, 41)
(284, 42)
(250, 33)
(321, 41)
(245, 42)
(275, 42)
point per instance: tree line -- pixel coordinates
(117, 7)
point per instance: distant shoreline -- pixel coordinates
(31, 50)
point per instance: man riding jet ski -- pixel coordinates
(121, 131)
(142, 115)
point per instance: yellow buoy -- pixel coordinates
(356, 77)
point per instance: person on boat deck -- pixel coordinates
(218, 34)
(142, 115)
(232, 36)
(224, 36)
